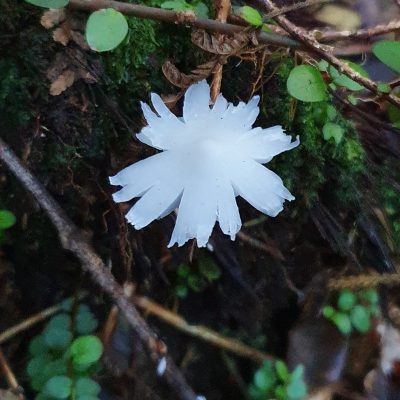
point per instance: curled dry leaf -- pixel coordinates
(181, 80)
(222, 45)
(53, 17)
(63, 82)
(62, 34)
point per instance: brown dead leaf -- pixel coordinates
(62, 34)
(63, 82)
(52, 18)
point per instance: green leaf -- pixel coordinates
(37, 346)
(282, 370)
(388, 52)
(331, 112)
(265, 377)
(85, 323)
(343, 80)
(332, 130)
(59, 387)
(296, 389)
(328, 311)
(196, 283)
(181, 291)
(87, 387)
(297, 373)
(360, 318)
(7, 219)
(305, 83)
(37, 364)
(251, 15)
(200, 9)
(346, 300)
(342, 321)
(54, 368)
(209, 269)
(323, 65)
(352, 99)
(393, 114)
(87, 397)
(86, 349)
(49, 3)
(176, 5)
(384, 87)
(371, 295)
(106, 29)
(60, 321)
(57, 338)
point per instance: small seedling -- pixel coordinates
(354, 310)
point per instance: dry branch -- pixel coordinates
(200, 332)
(326, 53)
(72, 239)
(139, 11)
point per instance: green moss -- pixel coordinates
(317, 166)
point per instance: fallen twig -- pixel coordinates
(10, 376)
(294, 7)
(331, 36)
(199, 331)
(72, 239)
(140, 11)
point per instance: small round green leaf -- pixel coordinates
(57, 338)
(360, 318)
(59, 387)
(60, 321)
(371, 295)
(343, 80)
(85, 323)
(87, 387)
(49, 3)
(332, 130)
(305, 83)
(296, 389)
(106, 29)
(384, 87)
(251, 15)
(346, 300)
(328, 311)
(265, 377)
(7, 219)
(342, 321)
(388, 51)
(86, 349)
(37, 364)
(37, 346)
(282, 370)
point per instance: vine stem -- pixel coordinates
(73, 240)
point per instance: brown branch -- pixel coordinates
(325, 52)
(72, 239)
(331, 36)
(294, 7)
(10, 376)
(28, 323)
(140, 11)
(223, 8)
(199, 331)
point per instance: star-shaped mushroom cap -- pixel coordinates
(208, 157)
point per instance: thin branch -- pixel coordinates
(10, 376)
(28, 323)
(294, 7)
(325, 52)
(199, 331)
(72, 239)
(139, 11)
(332, 36)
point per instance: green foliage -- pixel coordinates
(49, 3)
(305, 83)
(196, 278)
(354, 310)
(274, 381)
(7, 219)
(251, 15)
(388, 52)
(197, 6)
(334, 131)
(106, 29)
(62, 362)
(343, 80)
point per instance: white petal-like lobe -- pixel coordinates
(207, 158)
